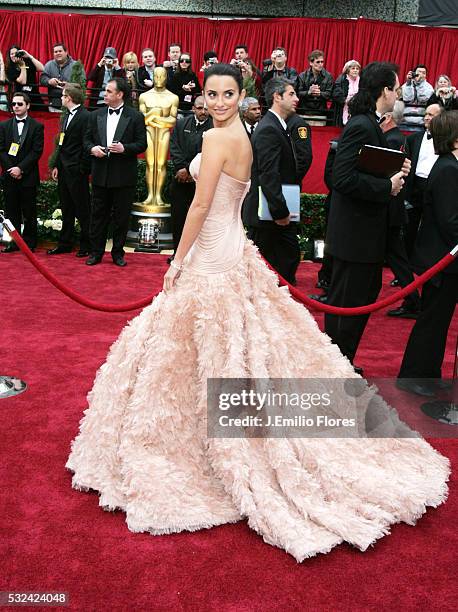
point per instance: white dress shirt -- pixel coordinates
(251, 128)
(112, 124)
(71, 114)
(20, 125)
(426, 157)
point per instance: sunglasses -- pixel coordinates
(185, 61)
(18, 104)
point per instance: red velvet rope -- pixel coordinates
(347, 312)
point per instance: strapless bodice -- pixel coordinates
(220, 242)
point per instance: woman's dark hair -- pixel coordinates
(224, 70)
(8, 60)
(374, 78)
(444, 130)
(183, 54)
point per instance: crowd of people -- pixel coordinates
(322, 98)
(371, 219)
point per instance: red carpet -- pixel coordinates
(54, 538)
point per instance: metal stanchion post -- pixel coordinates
(446, 411)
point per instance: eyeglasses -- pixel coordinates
(185, 61)
(18, 104)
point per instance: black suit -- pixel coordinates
(142, 75)
(114, 177)
(274, 164)
(414, 191)
(438, 234)
(357, 232)
(185, 144)
(21, 194)
(73, 165)
(396, 255)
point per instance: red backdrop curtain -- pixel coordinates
(362, 39)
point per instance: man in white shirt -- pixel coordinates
(420, 150)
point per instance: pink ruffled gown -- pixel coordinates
(143, 442)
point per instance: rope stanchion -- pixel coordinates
(313, 304)
(66, 290)
(368, 308)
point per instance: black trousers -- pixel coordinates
(110, 204)
(21, 206)
(280, 246)
(414, 216)
(425, 348)
(352, 284)
(75, 203)
(396, 258)
(181, 196)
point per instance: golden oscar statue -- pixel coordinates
(160, 107)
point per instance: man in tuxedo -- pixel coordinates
(358, 217)
(396, 255)
(71, 170)
(274, 164)
(185, 144)
(114, 137)
(420, 150)
(251, 114)
(21, 146)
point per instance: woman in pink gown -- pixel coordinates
(143, 441)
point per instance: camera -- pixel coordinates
(213, 60)
(109, 61)
(267, 62)
(20, 53)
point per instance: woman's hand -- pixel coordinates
(171, 276)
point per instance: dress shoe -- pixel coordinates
(394, 283)
(323, 298)
(358, 370)
(82, 253)
(120, 261)
(403, 312)
(412, 385)
(10, 248)
(93, 260)
(58, 250)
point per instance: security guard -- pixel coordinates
(301, 137)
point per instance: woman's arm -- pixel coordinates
(22, 78)
(38, 65)
(214, 156)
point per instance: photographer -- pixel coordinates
(314, 85)
(416, 92)
(171, 64)
(21, 72)
(444, 94)
(276, 66)
(108, 68)
(146, 72)
(210, 58)
(56, 74)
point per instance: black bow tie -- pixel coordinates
(20, 120)
(429, 136)
(115, 110)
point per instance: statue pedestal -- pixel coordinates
(159, 214)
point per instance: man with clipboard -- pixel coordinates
(21, 146)
(358, 221)
(274, 176)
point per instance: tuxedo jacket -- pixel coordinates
(438, 232)
(30, 150)
(116, 169)
(396, 210)
(274, 164)
(71, 154)
(358, 218)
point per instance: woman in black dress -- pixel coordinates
(185, 83)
